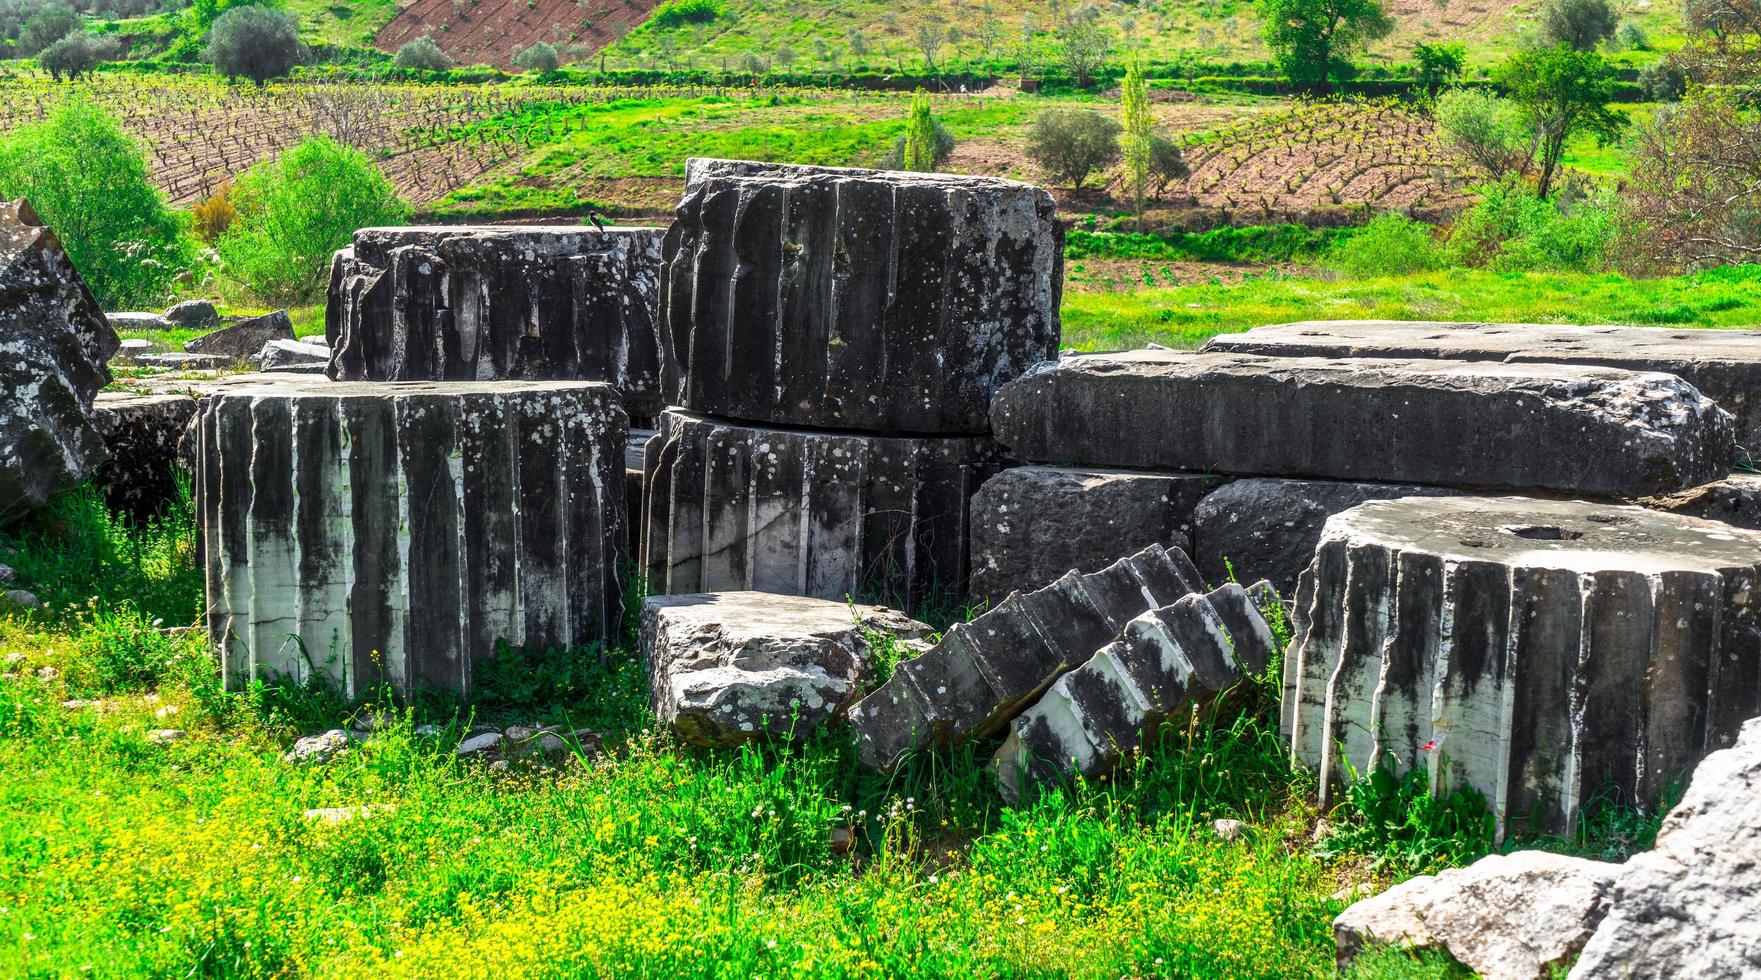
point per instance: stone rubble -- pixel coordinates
(242, 340)
(193, 314)
(733, 667)
(292, 356)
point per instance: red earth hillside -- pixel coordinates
(491, 32)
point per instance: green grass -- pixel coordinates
(1187, 315)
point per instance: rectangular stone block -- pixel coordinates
(856, 299)
(1589, 430)
(367, 533)
(1031, 524)
(1724, 364)
(824, 514)
(491, 302)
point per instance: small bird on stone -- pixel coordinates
(598, 222)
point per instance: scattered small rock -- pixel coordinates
(842, 840)
(337, 814)
(479, 743)
(519, 733)
(429, 731)
(1228, 829)
(193, 314)
(318, 748)
(134, 347)
(137, 321)
(47, 673)
(165, 736)
(7, 575)
(22, 599)
(78, 704)
(167, 711)
(549, 742)
(15, 659)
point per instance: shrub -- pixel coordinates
(1069, 144)
(1632, 37)
(1511, 229)
(1438, 65)
(1664, 81)
(1167, 164)
(256, 42)
(295, 211)
(1583, 24)
(1390, 245)
(675, 13)
(76, 54)
(88, 180)
(944, 147)
(422, 54)
(539, 57)
(1487, 129)
(211, 217)
(922, 149)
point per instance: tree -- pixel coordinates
(785, 55)
(1085, 44)
(50, 23)
(1580, 24)
(931, 36)
(1027, 49)
(1167, 164)
(858, 44)
(256, 42)
(295, 211)
(1488, 130)
(422, 54)
(1438, 65)
(920, 136)
(1561, 93)
(88, 180)
(539, 57)
(1069, 144)
(76, 54)
(1313, 41)
(1137, 132)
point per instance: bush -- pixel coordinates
(422, 54)
(295, 211)
(1632, 37)
(88, 180)
(1664, 81)
(944, 147)
(1487, 129)
(256, 42)
(213, 216)
(1511, 229)
(1390, 245)
(76, 54)
(1069, 144)
(1167, 164)
(1583, 24)
(675, 13)
(538, 57)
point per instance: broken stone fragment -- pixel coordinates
(193, 314)
(242, 340)
(984, 671)
(1724, 364)
(184, 361)
(824, 514)
(138, 321)
(1520, 916)
(141, 434)
(55, 345)
(1031, 524)
(1164, 661)
(1266, 528)
(318, 748)
(870, 300)
(1734, 500)
(293, 356)
(1591, 430)
(733, 667)
(482, 303)
(1548, 653)
(365, 533)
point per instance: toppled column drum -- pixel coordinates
(367, 533)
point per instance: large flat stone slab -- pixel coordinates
(1549, 653)
(985, 671)
(1724, 364)
(1589, 430)
(487, 302)
(732, 667)
(361, 532)
(1262, 528)
(55, 348)
(856, 299)
(1031, 524)
(1734, 500)
(1165, 661)
(825, 514)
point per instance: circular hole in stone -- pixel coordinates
(1471, 543)
(1544, 532)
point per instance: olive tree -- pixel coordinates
(1313, 41)
(422, 54)
(256, 42)
(1070, 144)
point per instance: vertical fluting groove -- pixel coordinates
(455, 461)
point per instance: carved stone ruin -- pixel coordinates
(856, 299)
(141, 433)
(482, 303)
(374, 533)
(1591, 430)
(826, 514)
(1548, 653)
(55, 348)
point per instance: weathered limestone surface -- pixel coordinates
(369, 532)
(1734, 500)
(985, 671)
(1164, 661)
(193, 314)
(480, 303)
(184, 361)
(1031, 524)
(1691, 906)
(1519, 916)
(1267, 528)
(856, 299)
(1548, 653)
(732, 667)
(141, 433)
(825, 514)
(138, 321)
(245, 338)
(1526, 426)
(55, 348)
(1724, 364)
(293, 357)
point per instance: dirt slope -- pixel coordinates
(491, 32)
